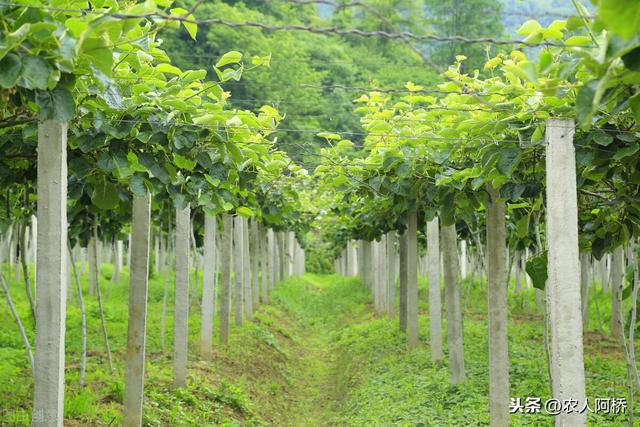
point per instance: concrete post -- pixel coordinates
(208, 278)
(137, 327)
(497, 303)
(118, 262)
(354, 256)
(290, 242)
(375, 276)
(282, 255)
(34, 243)
(403, 278)
(563, 284)
(433, 279)
(271, 249)
(606, 267)
(225, 279)
(584, 290)
(351, 261)
(390, 287)
(246, 271)
(517, 271)
(129, 251)
(93, 265)
(83, 260)
(181, 310)
(51, 258)
(360, 259)
(366, 264)
(617, 280)
(264, 256)
(156, 252)
(254, 251)
(238, 271)
(463, 259)
(384, 275)
(69, 281)
(412, 279)
(448, 238)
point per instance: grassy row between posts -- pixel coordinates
(315, 355)
(389, 385)
(246, 383)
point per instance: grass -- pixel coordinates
(392, 386)
(315, 355)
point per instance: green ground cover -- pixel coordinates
(315, 355)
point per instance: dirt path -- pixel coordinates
(317, 374)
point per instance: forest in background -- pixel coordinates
(314, 83)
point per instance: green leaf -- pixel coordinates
(156, 169)
(180, 201)
(448, 210)
(182, 139)
(620, 16)
(545, 61)
(233, 57)
(602, 138)
(77, 26)
(529, 27)
(511, 191)
(79, 167)
(244, 211)
(634, 103)
(87, 143)
(234, 152)
(11, 40)
(57, 105)
(509, 159)
(168, 68)
(632, 59)
(137, 186)
(35, 73)
(551, 33)
(10, 67)
(105, 196)
(345, 144)
(627, 151)
(329, 136)
(536, 268)
(574, 22)
(522, 227)
(584, 102)
(183, 163)
(229, 73)
(191, 28)
(526, 71)
(193, 75)
(99, 54)
(261, 60)
(578, 41)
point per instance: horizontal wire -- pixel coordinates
(521, 92)
(300, 27)
(543, 15)
(379, 145)
(315, 131)
(364, 5)
(353, 133)
(277, 144)
(429, 108)
(313, 61)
